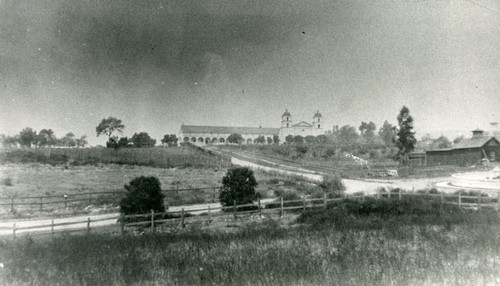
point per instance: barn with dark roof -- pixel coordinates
(467, 152)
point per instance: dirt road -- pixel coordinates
(352, 186)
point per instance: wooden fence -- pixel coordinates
(278, 206)
(43, 202)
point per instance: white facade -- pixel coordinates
(302, 128)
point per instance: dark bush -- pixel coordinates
(302, 149)
(332, 184)
(143, 195)
(238, 185)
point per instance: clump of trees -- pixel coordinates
(235, 138)
(29, 138)
(142, 139)
(169, 140)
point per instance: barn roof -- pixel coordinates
(474, 142)
(228, 130)
(470, 143)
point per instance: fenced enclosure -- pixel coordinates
(206, 215)
(45, 203)
(172, 157)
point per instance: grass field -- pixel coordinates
(32, 180)
(441, 247)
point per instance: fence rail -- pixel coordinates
(153, 219)
(42, 202)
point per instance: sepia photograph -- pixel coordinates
(249, 142)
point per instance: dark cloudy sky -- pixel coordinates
(154, 64)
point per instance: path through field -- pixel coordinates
(352, 186)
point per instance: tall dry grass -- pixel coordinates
(403, 252)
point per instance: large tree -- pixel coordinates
(46, 137)
(347, 135)
(367, 130)
(310, 139)
(405, 137)
(81, 142)
(261, 139)
(298, 139)
(235, 138)
(169, 140)
(108, 126)
(142, 139)
(276, 139)
(68, 140)
(388, 134)
(238, 185)
(27, 137)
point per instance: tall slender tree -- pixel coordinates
(405, 137)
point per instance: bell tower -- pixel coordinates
(317, 120)
(286, 120)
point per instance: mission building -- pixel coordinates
(202, 135)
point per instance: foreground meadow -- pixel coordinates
(365, 244)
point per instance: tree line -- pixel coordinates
(29, 138)
(111, 125)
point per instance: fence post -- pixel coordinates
(213, 199)
(65, 201)
(122, 224)
(152, 220)
(52, 229)
(14, 231)
(498, 202)
(208, 214)
(182, 218)
(378, 194)
(324, 200)
(90, 198)
(303, 203)
(399, 194)
(281, 207)
(389, 193)
(234, 209)
(12, 205)
(459, 200)
(88, 226)
(260, 209)
(442, 198)
(41, 203)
